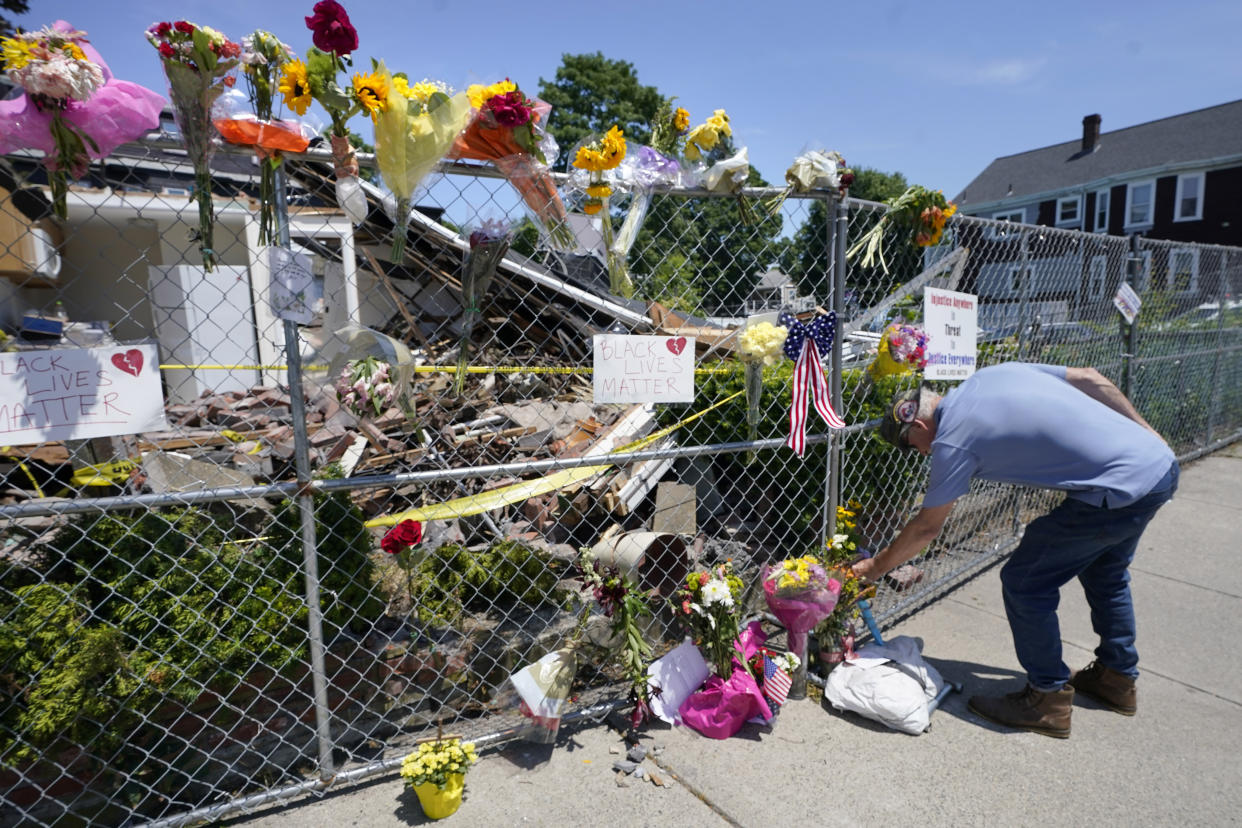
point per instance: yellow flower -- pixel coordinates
(479, 94)
(295, 86)
(588, 159)
(592, 207)
(613, 145)
(681, 119)
(704, 136)
(16, 52)
(599, 191)
(720, 122)
(372, 92)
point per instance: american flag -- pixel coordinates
(809, 385)
(776, 682)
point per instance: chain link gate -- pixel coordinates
(200, 621)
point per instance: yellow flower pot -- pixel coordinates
(438, 804)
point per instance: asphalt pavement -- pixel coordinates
(1174, 763)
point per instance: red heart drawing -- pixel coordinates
(130, 362)
(676, 344)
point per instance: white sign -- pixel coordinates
(951, 321)
(640, 369)
(77, 393)
(291, 285)
(1128, 302)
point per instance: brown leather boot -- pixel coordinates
(1110, 688)
(1029, 709)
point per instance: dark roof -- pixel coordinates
(1201, 135)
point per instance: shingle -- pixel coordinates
(1201, 135)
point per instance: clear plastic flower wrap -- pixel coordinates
(487, 245)
(352, 346)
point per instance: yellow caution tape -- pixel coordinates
(518, 492)
(426, 369)
(4, 450)
(112, 473)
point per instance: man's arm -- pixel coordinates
(1098, 387)
(914, 538)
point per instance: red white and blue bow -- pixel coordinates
(803, 344)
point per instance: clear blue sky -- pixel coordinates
(933, 90)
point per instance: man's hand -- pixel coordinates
(866, 571)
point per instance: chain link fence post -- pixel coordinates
(1129, 331)
(306, 506)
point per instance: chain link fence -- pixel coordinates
(199, 619)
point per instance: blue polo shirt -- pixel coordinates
(1023, 423)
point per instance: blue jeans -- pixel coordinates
(1095, 545)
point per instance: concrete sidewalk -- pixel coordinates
(1176, 762)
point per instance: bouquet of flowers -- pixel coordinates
(437, 773)
(836, 632)
(73, 110)
(759, 345)
(800, 594)
(902, 349)
(621, 602)
(918, 210)
(250, 123)
(488, 245)
(364, 387)
(708, 604)
(727, 702)
(813, 170)
(335, 40)
(412, 133)
(647, 167)
(198, 62)
(596, 155)
(509, 130)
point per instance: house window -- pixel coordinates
(1018, 277)
(1068, 209)
(1000, 231)
(1101, 211)
(1139, 203)
(1189, 197)
(1097, 271)
(1184, 270)
(1140, 280)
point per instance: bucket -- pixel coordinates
(653, 560)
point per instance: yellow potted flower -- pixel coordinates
(437, 773)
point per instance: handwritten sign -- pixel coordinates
(1127, 302)
(640, 369)
(291, 284)
(951, 320)
(77, 393)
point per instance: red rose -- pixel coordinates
(163, 28)
(405, 534)
(330, 28)
(230, 49)
(167, 51)
(184, 26)
(510, 109)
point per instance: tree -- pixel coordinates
(807, 259)
(17, 6)
(591, 93)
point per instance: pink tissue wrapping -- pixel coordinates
(800, 614)
(119, 111)
(721, 708)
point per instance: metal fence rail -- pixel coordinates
(200, 620)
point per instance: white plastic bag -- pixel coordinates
(889, 683)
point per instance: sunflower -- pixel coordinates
(16, 52)
(295, 86)
(372, 93)
(599, 191)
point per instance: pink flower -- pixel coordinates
(330, 28)
(510, 109)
